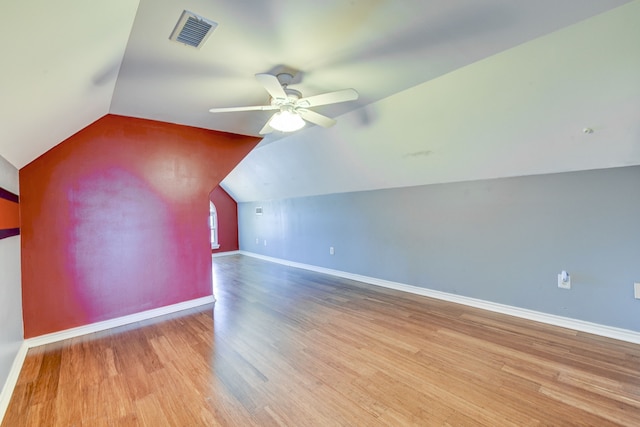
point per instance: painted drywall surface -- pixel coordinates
(501, 240)
(10, 294)
(227, 211)
(115, 220)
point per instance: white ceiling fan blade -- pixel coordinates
(249, 108)
(318, 119)
(272, 85)
(266, 128)
(329, 98)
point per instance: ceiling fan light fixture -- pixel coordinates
(286, 121)
(294, 109)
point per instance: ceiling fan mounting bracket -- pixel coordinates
(285, 79)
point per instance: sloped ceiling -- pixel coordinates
(450, 91)
(60, 61)
(523, 111)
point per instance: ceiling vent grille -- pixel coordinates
(192, 30)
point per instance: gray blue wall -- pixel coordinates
(501, 240)
(10, 291)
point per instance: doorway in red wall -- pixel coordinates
(224, 210)
(213, 226)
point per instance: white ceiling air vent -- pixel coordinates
(192, 30)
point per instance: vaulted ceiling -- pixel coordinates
(449, 91)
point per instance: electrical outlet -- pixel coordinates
(265, 242)
(331, 250)
(564, 280)
(257, 241)
(636, 290)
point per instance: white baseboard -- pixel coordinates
(550, 319)
(114, 323)
(12, 379)
(219, 254)
(14, 373)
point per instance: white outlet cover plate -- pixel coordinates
(636, 290)
(564, 285)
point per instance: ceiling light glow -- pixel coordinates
(286, 121)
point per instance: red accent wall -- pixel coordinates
(115, 220)
(227, 210)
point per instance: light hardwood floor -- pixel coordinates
(284, 346)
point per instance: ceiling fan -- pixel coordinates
(293, 108)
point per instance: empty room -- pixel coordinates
(339, 213)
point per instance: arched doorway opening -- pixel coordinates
(213, 226)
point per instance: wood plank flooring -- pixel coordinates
(289, 347)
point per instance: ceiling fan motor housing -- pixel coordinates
(292, 97)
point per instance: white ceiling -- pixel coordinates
(52, 75)
(450, 91)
